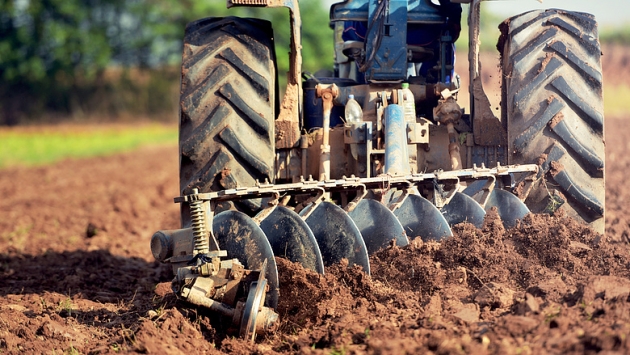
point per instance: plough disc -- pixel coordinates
(337, 235)
(462, 208)
(237, 233)
(291, 238)
(420, 218)
(509, 207)
(378, 225)
(323, 233)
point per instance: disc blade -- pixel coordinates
(377, 225)
(509, 207)
(243, 239)
(420, 218)
(462, 208)
(337, 236)
(291, 238)
(474, 187)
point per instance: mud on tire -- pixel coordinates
(552, 99)
(227, 106)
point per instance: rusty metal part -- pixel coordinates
(487, 128)
(444, 192)
(216, 284)
(345, 184)
(198, 221)
(453, 147)
(287, 132)
(418, 132)
(256, 317)
(400, 199)
(304, 149)
(470, 143)
(272, 203)
(360, 195)
(328, 93)
(448, 112)
(474, 15)
(524, 187)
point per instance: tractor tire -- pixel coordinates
(553, 106)
(227, 107)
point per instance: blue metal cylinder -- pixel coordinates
(396, 155)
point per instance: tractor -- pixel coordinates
(375, 152)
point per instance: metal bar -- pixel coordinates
(346, 184)
(328, 94)
(473, 48)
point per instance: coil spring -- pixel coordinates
(198, 222)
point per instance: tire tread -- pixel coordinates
(542, 52)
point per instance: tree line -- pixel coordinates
(75, 58)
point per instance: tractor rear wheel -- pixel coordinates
(227, 107)
(552, 101)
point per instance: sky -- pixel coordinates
(607, 12)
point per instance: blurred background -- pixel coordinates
(118, 61)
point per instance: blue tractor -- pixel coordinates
(375, 152)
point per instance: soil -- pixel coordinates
(77, 276)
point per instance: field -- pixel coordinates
(77, 275)
(38, 145)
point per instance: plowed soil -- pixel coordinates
(77, 276)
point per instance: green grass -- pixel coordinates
(32, 146)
